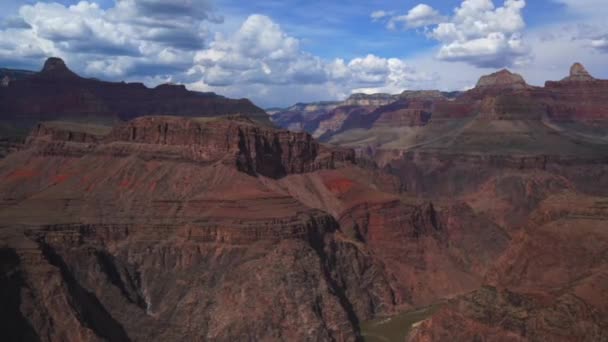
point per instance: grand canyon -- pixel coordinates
(222, 170)
(487, 209)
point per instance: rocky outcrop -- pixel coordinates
(499, 83)
(55, 69)
(502, 79)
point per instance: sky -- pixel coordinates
(279, 52)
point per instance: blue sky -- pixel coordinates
(279, 52)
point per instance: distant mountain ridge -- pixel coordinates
(310, 116)
(498, 96)
(56, 92)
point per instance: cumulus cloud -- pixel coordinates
(258, 52)
(139, 40)
(260, 61)
(17, 47)
(131, 38)
(168, 40)
(477, 33)
(483, 35)
(261, 55)
(373, 74)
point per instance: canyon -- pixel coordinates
(217, 229)
(191, 217)
(532, 161)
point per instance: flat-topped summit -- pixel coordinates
(497, 84)
(54, 63)
(502, 78)
(578, 73)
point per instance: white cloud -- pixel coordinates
(132, 38)
(17, 46)
(600, 43)
(477, 33)
(373, 74)
(419, 16)
(483, 35)
(258, 52)
(165, 40)
(260, 59)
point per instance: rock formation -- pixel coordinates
(56, 69)
(502, 79)
(578, 73)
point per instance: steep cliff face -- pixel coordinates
(235, 141)
(168, 228)
(420, 245)
(114, 237)
(430, 253)
(453, 174)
